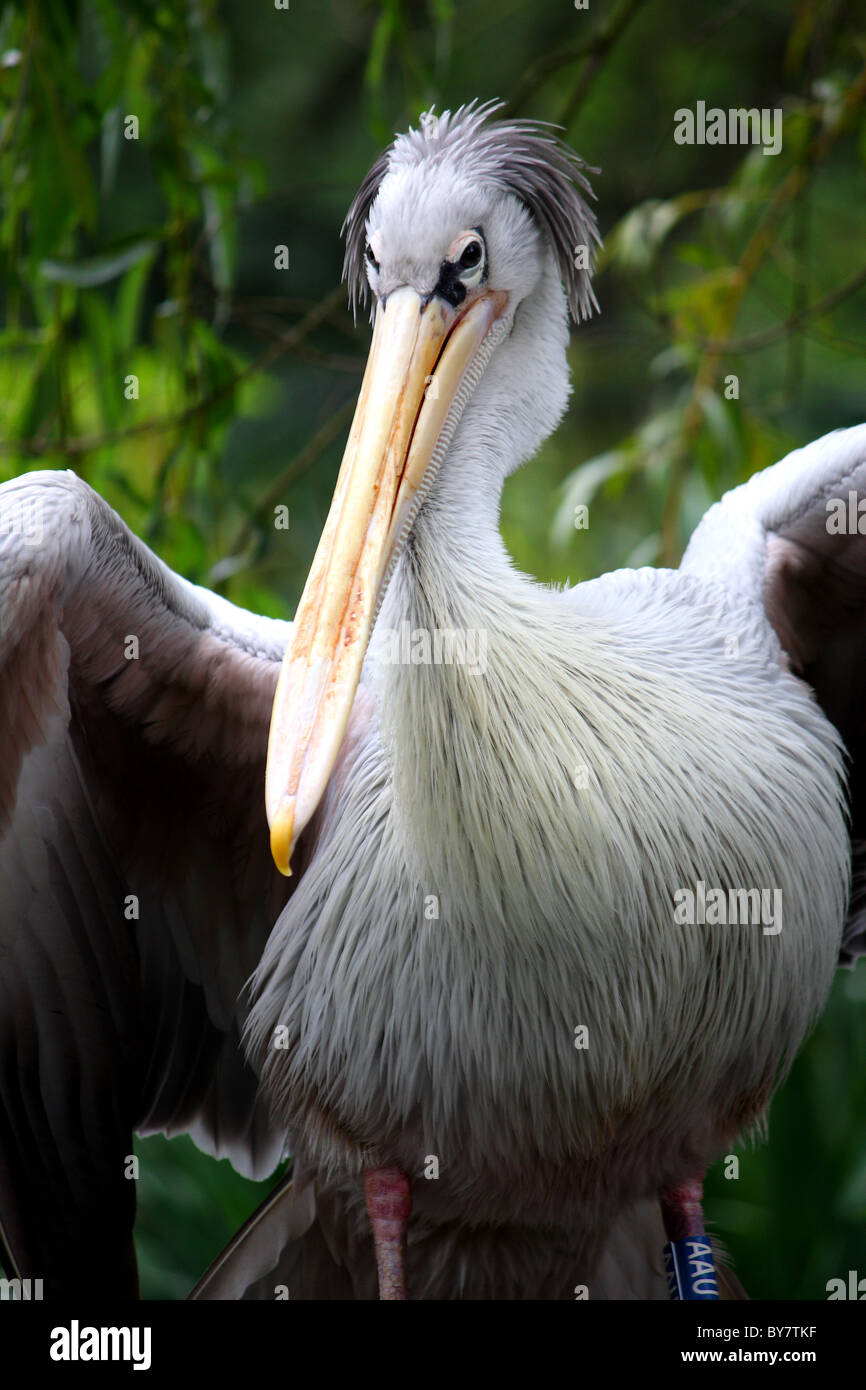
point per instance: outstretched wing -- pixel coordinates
(136, 886)
(793, 538)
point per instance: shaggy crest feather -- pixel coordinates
(521, 157)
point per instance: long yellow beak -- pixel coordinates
(420, 356)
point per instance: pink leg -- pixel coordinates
(681, 1209)
(689, 1262)
(389, 1202)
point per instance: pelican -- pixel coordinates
(570, 871)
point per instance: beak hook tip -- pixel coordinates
(281, 838)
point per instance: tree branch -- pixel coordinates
(605, 39)
(594, 45)
(754, 341)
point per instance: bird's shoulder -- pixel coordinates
(676, 609)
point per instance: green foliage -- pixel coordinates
(121, 183)
(188, 1210)
(154, 257)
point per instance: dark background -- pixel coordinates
(155, 257)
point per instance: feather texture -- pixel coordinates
(136, 892)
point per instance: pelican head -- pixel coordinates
(472, 238)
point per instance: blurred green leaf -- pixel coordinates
(97, 270)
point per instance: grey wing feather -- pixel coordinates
(266, 1252)
(789, 541)
(136, 888)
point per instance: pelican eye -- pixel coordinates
(371, 258)
(471, 256)
(464, 268)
